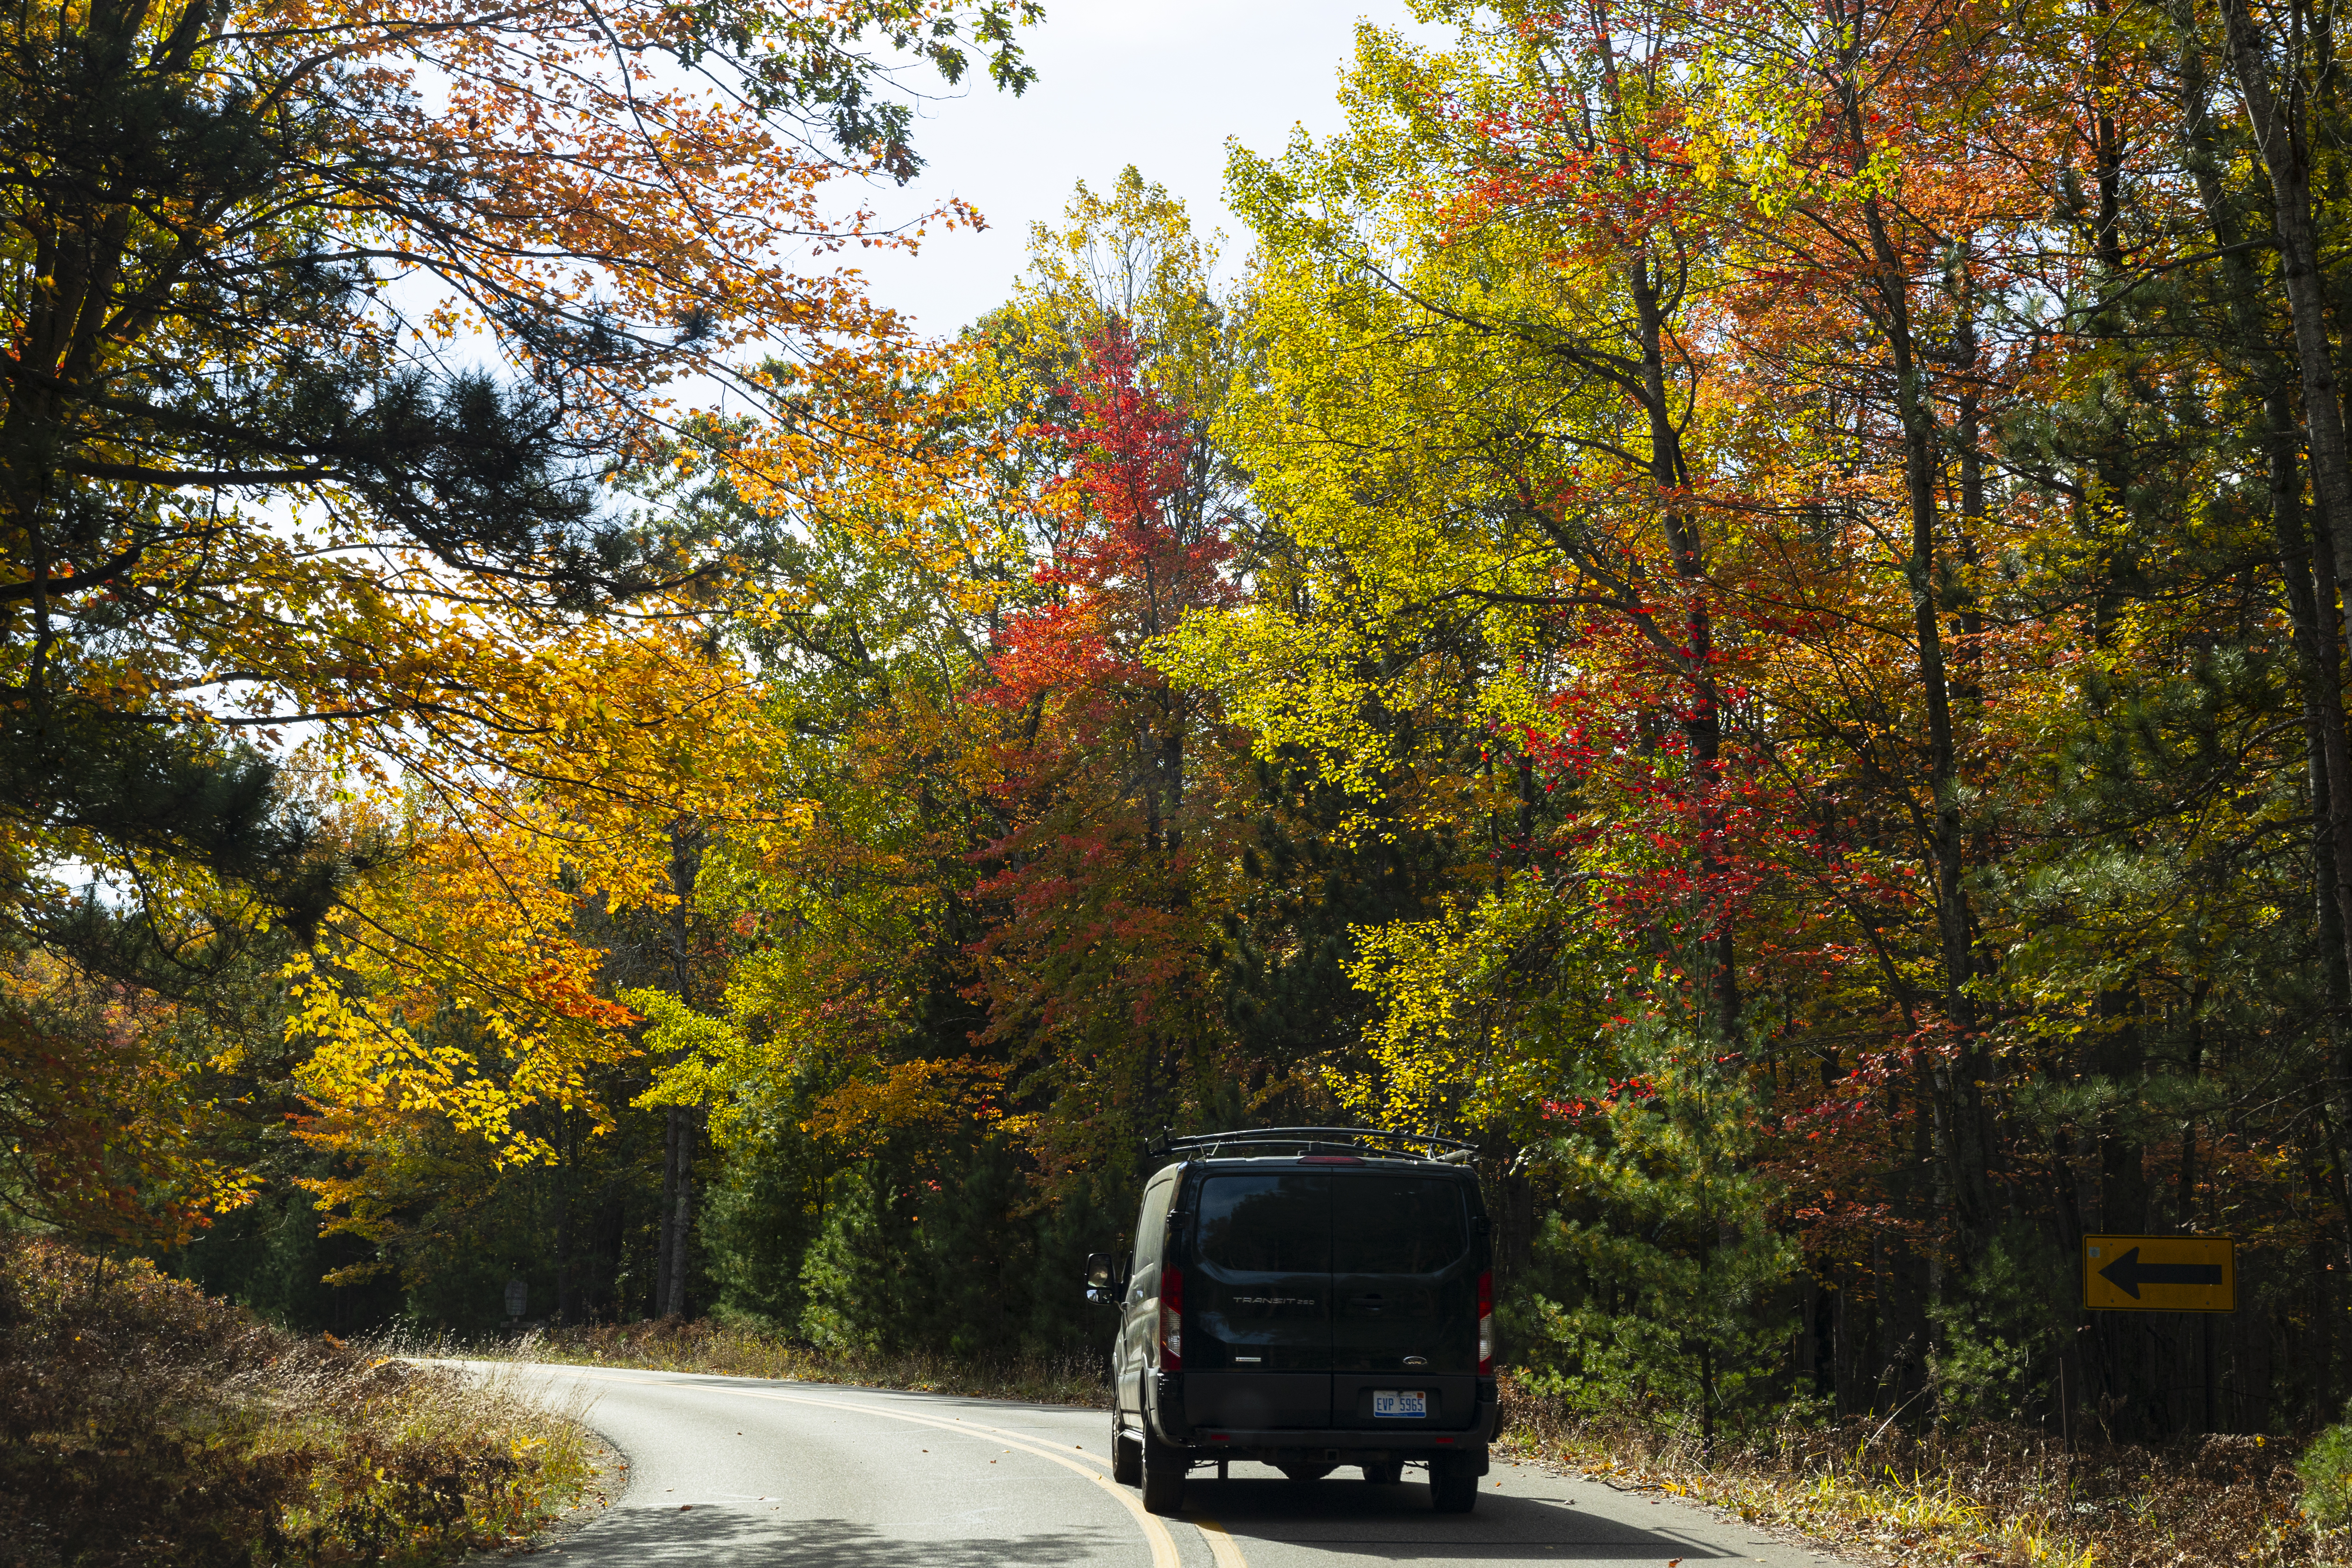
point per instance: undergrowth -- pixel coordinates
(1990, 1494)
(741, 1351)
(143, 1422)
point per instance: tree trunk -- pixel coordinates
(1978, 1140)
(682, 1128)
(1958, 1209)
(2276, 109)
(678, 1209)
(2118, 1054)
(654, 1308)
(1702, 722)
(2310, 574)
(2313, 567)
(562, 1229)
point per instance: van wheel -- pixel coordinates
(1452, 1490)
(1384, 1472)
(1125, 1460)
(1163, 1467)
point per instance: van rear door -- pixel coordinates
(1404, 1301)
(1258, 1302)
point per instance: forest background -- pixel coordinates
(1739, 604)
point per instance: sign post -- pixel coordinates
(2159, 1274)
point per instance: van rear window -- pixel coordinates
(1313, 1224)
(1267, 1225)
(1397, 1225)
(1151, 1225)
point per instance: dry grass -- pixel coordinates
(1990, 1494)
(701, 1346)
(142, 1423)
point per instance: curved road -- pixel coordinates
(729, 1472)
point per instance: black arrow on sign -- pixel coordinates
(2127, 1274)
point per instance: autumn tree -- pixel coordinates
(323, 323)
(1095, 973)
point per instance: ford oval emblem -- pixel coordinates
(1416, 1360)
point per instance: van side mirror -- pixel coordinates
(1106, 1275)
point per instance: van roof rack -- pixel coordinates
(1372, 1140)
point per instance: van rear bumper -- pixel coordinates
(1337, 1444)
(1466, 1450)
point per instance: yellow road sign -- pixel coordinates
(2159, 1274)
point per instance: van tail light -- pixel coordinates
(1485, 1322)
(1171, 1320)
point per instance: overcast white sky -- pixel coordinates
(1156, 84)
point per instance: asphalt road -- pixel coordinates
(729, 1472)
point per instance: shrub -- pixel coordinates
(2325, 1469)
(142, 1422)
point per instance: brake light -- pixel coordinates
(1171, 1320)
(1485, 1322)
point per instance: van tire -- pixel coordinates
(1384, 1472)
(1452, 1489)
(1163, 1468)
(1125, 1460)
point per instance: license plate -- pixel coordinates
(1411, 1404)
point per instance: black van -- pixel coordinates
(1308, 1298)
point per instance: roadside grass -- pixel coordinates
(740, 1350)
(1990, 1494)
(143, 1422)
